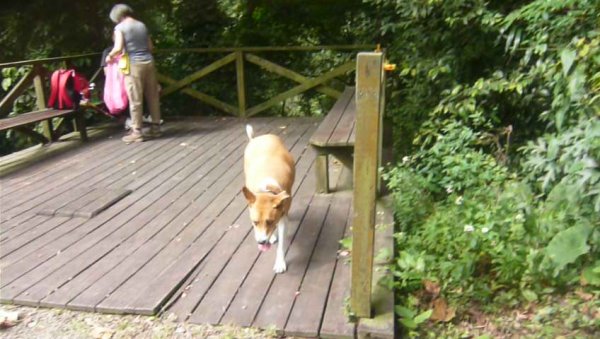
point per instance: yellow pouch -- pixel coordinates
(124, 63)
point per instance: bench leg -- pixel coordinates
(347, 179)
(48, 130)
(344, 155)
(322, 172)
(80, 123)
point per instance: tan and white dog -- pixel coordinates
(269, 170)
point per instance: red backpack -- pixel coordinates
(67, 88)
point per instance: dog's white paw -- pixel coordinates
(273, 238)
(279, 266)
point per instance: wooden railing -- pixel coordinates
(241, 56)
(38, 74)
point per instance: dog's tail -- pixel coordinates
(249, 131)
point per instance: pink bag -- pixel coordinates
(115, 95)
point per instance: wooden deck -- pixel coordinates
(180, 240)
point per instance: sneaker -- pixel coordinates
(134, 136)
(154, 131)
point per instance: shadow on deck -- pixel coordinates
(179, 239)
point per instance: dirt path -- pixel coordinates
(42, 323)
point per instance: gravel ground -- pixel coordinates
(55, 323)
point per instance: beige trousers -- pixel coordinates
(141, 84)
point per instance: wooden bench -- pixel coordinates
(20, 121)
(335, 136)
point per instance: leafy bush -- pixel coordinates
(497, 109)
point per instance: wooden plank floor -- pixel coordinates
(180, 243)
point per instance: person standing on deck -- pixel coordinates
(131, 36)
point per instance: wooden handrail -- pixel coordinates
(268, 49)
(239, 56)
(204, 50)
(46, 60)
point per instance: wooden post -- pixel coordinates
(40, 98)
(381, 131)
(241, 86)
(369, 79)
(322, 172)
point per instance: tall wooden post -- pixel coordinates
(40, 98)
(367, 150)
(241, 86)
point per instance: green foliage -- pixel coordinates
(568, 159)
(454, 160)
(9, 140)
(567, 245)
(591, 274)
(410, 319)
(496, 108)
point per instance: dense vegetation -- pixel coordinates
(496, 108)
(498, 190)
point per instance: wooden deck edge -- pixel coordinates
(20, 159)
(382, 325)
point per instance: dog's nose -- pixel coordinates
(262, 242)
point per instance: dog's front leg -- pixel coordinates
(280, 265)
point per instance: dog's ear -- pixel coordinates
(249, 195)
(280, 198)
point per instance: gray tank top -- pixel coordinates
(136, 40)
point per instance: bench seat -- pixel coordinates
(335, 136)
(24, 119)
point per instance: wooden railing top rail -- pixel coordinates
(46, 60)
(239, 56)
(268, 49)
(204, 50)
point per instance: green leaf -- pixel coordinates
(560, 116)
(408, 323)
(423, 317)
(346, 243)
(6, 82)
(568, 245)
(405, 312)
(591, 275)
(577, 83)
(509, 39)
(553, 148)
(529, 295)
(567, 57)
(584, 50)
